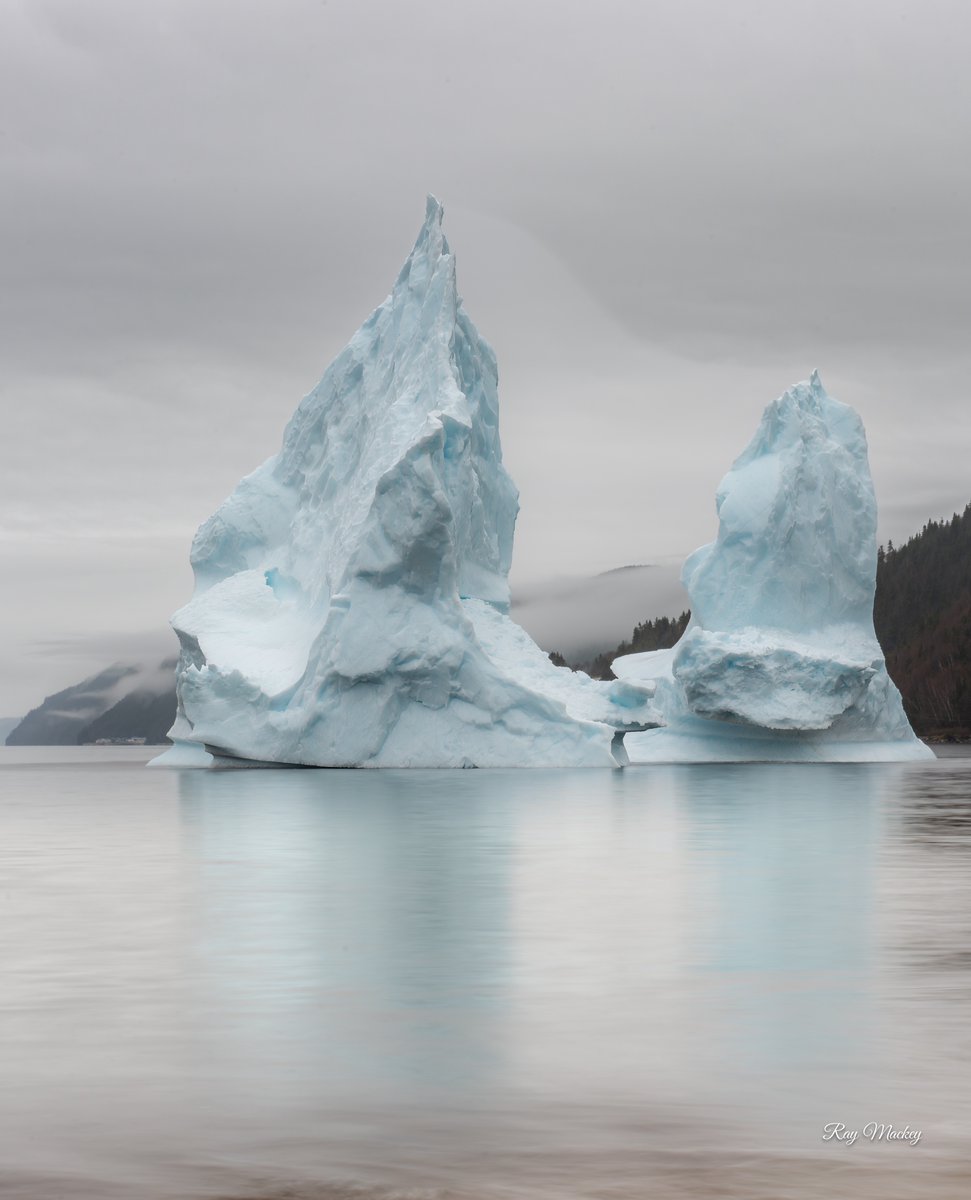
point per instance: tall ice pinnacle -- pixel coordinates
(351, 594)
(780, 660)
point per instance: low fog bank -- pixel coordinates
(583, 616)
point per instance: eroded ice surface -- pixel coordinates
(780, 660)
(351, 594)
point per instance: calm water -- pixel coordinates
(662, 982)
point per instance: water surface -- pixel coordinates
(659, 982)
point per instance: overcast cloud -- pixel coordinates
(663, 213)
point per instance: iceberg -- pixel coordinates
(351, 596)
(780, 660)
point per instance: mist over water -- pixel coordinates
(661, 981)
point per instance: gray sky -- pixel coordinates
(664, 213)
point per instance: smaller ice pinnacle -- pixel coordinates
(780, 659)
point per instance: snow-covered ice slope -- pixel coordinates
(780, 660)
(351, 595)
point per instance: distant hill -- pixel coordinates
(66, 718)
(140, 714)
(59, 719)
(7, 725)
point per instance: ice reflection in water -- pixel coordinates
(792, 930)
(355, 934)
(662, 981)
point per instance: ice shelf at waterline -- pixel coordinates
(351, 595)
(780, 660)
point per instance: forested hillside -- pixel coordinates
(123, 701)
(649, 635)
(922, 616)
